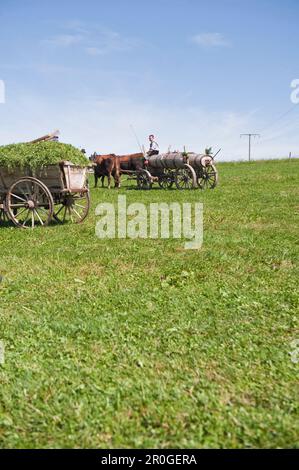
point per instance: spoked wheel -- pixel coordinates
(72, 207)
(144, 180)
(29, 203)
(185, 178)
(166, 181)
(208, 177)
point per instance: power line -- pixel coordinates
(279, 117)
(249, 142)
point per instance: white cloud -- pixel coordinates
(210, 40)
(104, 42)
(103, 124)
(93, 41)
(77, 26)
(94, 51)
(64, 40)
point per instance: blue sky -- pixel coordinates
(195, 73)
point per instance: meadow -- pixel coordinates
(141, 343)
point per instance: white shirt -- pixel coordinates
(154, 145)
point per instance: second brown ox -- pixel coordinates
(114, 165)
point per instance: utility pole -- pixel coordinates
(249, 142)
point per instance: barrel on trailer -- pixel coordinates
(186, 170)
(172, 161)
(206, 172)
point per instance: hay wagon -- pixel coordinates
(29, 198)
(183, 170)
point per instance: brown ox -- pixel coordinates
(115, 165)
(106, 165)
(131, 162)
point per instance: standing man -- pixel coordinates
(154, 147)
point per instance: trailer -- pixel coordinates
(36, 197)
(182, 170)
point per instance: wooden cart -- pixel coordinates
(29, 198)
(184, 170)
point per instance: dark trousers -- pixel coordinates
(152, 152)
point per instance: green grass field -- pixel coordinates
(140, 343)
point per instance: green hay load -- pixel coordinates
(40, 154)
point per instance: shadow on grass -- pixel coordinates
(135, 188)
(8, 225)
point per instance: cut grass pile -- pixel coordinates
(39, 155)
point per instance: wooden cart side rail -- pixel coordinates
(10, 176)
(63, 177)
(75, 177)
(51, 176)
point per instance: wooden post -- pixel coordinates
(45, 137)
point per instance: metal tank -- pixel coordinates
(197, 160)
(167, 161)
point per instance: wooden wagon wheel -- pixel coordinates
(72, 207)
(144, 179)
(207, 177)
(185, 178)
(29, 203)
(166, 180)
